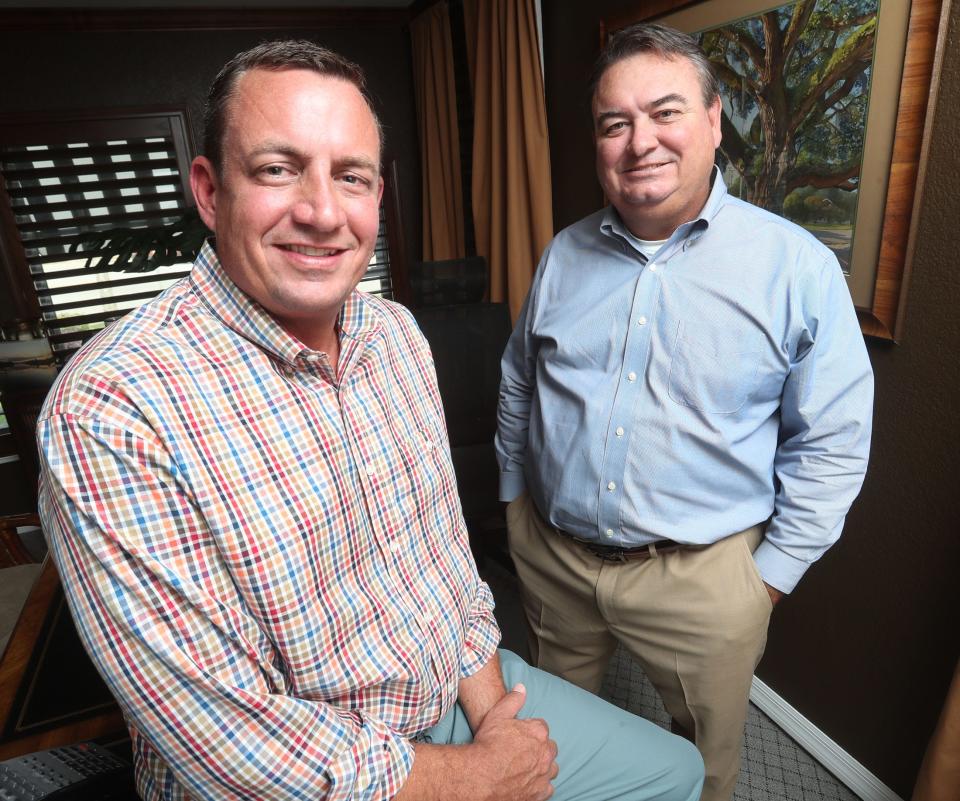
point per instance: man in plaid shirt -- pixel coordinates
(247, 490)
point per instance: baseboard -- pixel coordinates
(851, 773)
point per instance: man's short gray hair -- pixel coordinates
(661, 41)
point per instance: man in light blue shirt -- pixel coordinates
(685, 410)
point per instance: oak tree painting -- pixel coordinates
(795, 86)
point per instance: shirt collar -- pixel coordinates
(239, 312)
(715, 200)
(612, 224)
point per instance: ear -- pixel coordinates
(714, 114)
(203, 183)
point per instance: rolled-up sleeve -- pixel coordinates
(483, 633)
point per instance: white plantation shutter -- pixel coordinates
(67, 178)
(377, 280)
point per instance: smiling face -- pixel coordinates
(655, 142)
(295, 207)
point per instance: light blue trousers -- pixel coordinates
(604, 752)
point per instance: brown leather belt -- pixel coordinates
(612, 553)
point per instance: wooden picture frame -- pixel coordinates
(881, 293)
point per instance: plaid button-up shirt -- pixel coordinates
(267, 562)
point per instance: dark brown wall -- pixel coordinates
(866, 645)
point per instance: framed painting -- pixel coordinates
(826, 116)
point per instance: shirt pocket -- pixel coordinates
(714, 367)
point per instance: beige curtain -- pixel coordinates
(511, 192)
(939, 777)
(439, 135)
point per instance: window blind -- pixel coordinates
(377, 279)
(68, 179)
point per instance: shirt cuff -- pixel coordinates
(777, 568)
(511, 485)
(482, 635)
(375, 768)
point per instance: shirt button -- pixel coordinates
(642, 321)
(631, 376)
(619, 431)
(611, 486)
(396, 546)
(609, 532)
(370, 471)
(653, 268)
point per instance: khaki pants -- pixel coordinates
(694, 619)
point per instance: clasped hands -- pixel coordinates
(509, 760)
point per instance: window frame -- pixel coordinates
(63, 127)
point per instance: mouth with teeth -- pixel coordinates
(304, 250)
(642, 168)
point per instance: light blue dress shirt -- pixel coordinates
(692, 395)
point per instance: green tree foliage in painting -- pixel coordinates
(796, 81)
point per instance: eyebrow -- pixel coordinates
(673, 97)
(272, 147)
(360, 162)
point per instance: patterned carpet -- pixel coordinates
(774, 767)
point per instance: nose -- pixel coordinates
(643, 136)
(318, 204)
